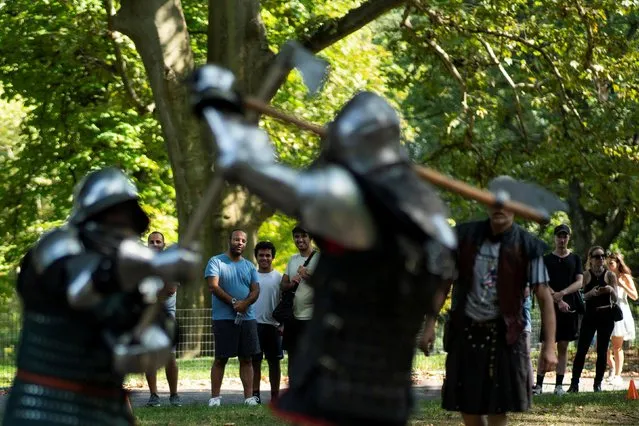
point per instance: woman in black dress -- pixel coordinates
(600, 290)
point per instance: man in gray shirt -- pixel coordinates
(156, 241)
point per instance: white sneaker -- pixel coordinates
(616, 381)
(251, 401)
(559, 390)
(536, 390)
(215, 402)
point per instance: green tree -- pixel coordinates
(104, 84)
(541, 91)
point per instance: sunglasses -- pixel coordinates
(598, 256)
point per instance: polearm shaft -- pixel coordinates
(465, 190)
(259, 106)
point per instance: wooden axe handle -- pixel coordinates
(430, 175)
(477, 194)
(257, 105)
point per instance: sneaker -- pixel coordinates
(616, 381)
(251, 401)
(559, 390)
(215, 401)
(154, 400)
(257, 398)
(175, 400)
(573, 389)
(536, 390)
(596, 387)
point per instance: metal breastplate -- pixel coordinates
(357, 354)
(55, 352)
(69, 348)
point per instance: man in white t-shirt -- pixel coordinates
(267, 328)
(298, 274)
(156, 241)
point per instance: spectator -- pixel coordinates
(298, 275)
(566, 278)
(600, 288)
(155, 240)
(528, 329)
(267, 328)
(624, 329)
(233, 283)
(487, 366)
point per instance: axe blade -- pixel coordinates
(528, 193)
(314, 70)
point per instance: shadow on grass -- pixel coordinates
(581, 409)
(570, 409)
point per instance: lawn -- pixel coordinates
(580, 409)
(199, 368)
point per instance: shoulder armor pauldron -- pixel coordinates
(54, 245)
(332, 205)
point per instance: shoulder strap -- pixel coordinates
(308, 259)
(306, 262)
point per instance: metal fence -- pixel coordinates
(195, 347)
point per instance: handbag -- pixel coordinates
(283, 312)
(617, 313)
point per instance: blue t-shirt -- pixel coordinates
(235, 280)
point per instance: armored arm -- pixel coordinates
(89, 275)
(327, 200)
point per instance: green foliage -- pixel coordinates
(277, 229)
(58, 59)
(562, 106)
(570, 116)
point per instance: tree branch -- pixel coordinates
(120, 63)
(614, 226)
(335, 30)
(589, 36)
(511, 83)
(436, 18)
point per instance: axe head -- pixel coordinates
(212, 85)
(314, 70)
(505, 187)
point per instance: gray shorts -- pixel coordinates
(232, 340)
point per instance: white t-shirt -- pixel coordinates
(269, 297)
(483, 300)
(303, 302)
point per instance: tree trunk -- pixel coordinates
(589, 229)
(158, 29)
(237, 40)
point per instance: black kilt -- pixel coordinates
(484, 375)
(567, 327)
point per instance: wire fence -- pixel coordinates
(195, 347)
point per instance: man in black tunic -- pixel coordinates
(83, 288)
(385, 244)
(566, 278)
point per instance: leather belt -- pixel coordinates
(70, 386)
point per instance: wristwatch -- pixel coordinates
(233, 301)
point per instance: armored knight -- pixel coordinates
(385, 243)
(84, 287)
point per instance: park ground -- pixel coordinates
(585, 408)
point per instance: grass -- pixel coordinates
(199, 368)
(580, 409)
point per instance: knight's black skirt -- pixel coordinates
(484, 375)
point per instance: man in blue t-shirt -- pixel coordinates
(234, 287)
